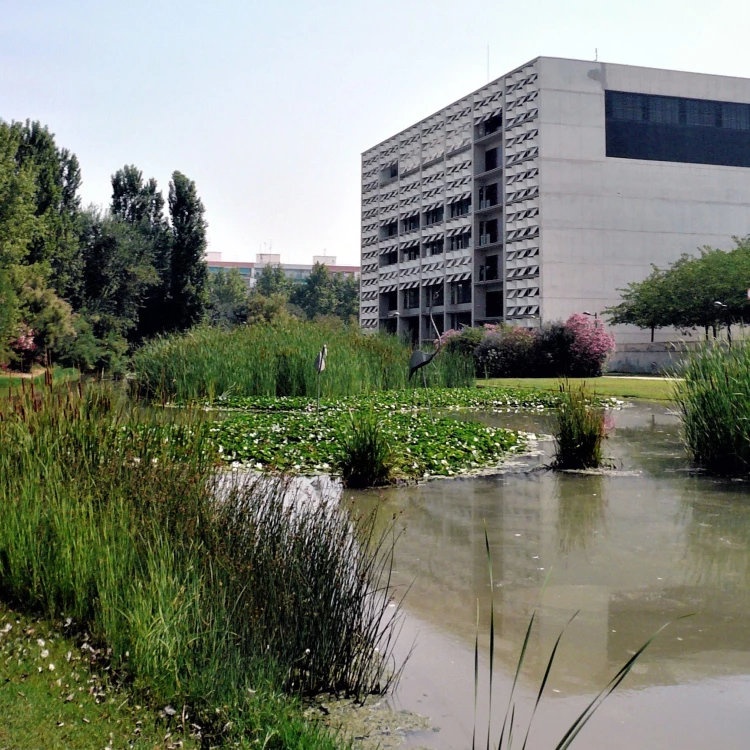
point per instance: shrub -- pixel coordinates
(590, 347)
(367, 459)
(506, 353)
(463, 341)
(580, 430)
(714, 403)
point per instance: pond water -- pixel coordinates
(631, 551)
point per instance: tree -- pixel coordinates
(316, 294)
(141, 205)
(189, 271)
(227, 298)
(346, 290)
(273, 280)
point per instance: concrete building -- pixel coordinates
(543, 192)
(294, 271)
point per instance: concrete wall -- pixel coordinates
(604, 221)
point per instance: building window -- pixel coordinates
(433, 216)
(389, 301)
(389, 230)
(488, 232)
(490, 159)
(460, 241)
(435, 295)
(411, 298)
(460, 292)
(489, 271)
(434, 248)
(460, 208)
(677, 129)
(389, 259)
(411, 253)
(488, 196)
(494, 305)
(493, 124)
(411, 223)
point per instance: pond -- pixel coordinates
(631, 551)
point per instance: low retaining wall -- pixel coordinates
(651, 359)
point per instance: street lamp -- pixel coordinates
(719, 306)
(594, 315)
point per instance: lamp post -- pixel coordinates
(594, 315)
(719, 306)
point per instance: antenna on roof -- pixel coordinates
(596, 54)
(488, 63)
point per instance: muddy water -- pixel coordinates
(629, 552)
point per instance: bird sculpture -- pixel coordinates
(320, 360)
(420, 359)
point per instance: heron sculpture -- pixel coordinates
(320, 365)
(420, 359)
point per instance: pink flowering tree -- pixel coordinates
(24, 347)
(591, 345)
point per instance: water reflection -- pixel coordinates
(580, 517)
(630, 552)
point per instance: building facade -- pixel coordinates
(545, 191)
(294, 271)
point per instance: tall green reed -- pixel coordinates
(713, 398)
(278, 359)
(204, 586)
(580, 429)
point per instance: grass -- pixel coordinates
(580, 429)
(648, 389)
(278, 359)
(367, 458)
(9, 381)
(110, 519)
(54, 694)
(714, 404)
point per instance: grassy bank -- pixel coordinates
(649, 389)
(279, 360)
(227, 609)
(14, 381)
(54, 694)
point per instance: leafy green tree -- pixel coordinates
(227, 298)
(346, 290)
(272, 280)
(189, 272)
(140, 204)
(316, 294)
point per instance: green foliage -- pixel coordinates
(367, 458)
(227, 298)
(278, 359)
(110, 517)
(714, 404)
(189, 272)
(363, 447)
(580, 430)
(683, 295)
(273, 280)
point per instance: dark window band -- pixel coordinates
(670, 128)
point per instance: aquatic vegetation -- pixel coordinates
(367, 458)
(300, 442)
(714, 405)
(110, 517)
(278, 359)
(580, 429)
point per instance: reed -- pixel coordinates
(278, 359)
(366, 456)
(713, 398)
(206, 587)
(580, 429)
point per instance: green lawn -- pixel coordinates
(650, 389)
(54, 694)
(59, 374)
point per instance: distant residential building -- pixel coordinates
(547, 190)
(295, 271)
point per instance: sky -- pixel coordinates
(268, 106)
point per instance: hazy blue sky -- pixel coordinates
(267, 106)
